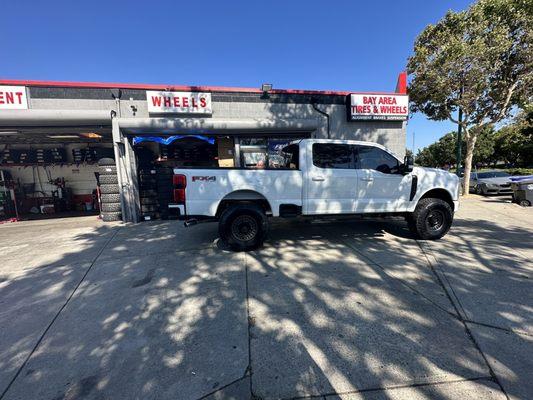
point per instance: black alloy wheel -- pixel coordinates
(244, 228)
(435, 220)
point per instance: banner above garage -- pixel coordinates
(377, 107)
(161, 102)
(13, 98)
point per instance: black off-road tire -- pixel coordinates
(431, 219)
(107, 170)
(110, 198)
(243, 226)
(148, 193)
(111, 207)
(149, 208)
(148, 201)
(111, 216)
(108, 179)
(108, 189)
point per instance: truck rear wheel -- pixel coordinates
(243, 226)
(431, 219)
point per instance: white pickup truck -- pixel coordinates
(317, 177)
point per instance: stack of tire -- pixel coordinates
(164, 190)
(109, 190)
(148, 194)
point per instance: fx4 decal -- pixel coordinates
(204, 178)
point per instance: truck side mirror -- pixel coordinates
(408, 164)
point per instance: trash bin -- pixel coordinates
(522, 190)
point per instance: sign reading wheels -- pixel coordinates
(178, 102)
(13, 98)
(378, 107)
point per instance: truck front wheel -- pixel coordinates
(243, 226)
(431, 219)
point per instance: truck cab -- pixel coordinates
(319, 177)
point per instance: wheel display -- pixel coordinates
(107, 189)
(243, 226)
(525, 203)
(478, 190)
(431, 219)
(111, 207)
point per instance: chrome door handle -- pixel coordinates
(367, 179)
(318, 178)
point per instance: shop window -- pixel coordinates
(337, 156)
(376, 159)
(291, 156)
(261, 153)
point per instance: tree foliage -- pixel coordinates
(511, 145)
(480, 61)
(443, 152)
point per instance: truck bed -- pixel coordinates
(206, 188)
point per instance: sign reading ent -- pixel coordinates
(178, 102)
(378, 106)
(13, 98)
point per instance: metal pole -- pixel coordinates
(459, 142)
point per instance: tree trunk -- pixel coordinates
(470, 144)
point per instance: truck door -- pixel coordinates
(381, 186)
(331, 179)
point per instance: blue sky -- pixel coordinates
(335, 45)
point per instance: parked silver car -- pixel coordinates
(490, 182)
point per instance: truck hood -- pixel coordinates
(437, 178)
(435, 172)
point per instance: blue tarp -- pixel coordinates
(169, 139)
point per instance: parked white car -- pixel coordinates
(319, 178)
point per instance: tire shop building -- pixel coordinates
(59, 140)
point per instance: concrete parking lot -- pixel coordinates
(352, 310)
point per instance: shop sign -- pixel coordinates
(377, 107)
(161, 102)
(13, 98)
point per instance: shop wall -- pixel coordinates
(391, 134)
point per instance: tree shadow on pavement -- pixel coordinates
(163, 312)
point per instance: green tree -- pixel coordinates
(514, 143)
(425, 158)
(480, 61)
(442, 152)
